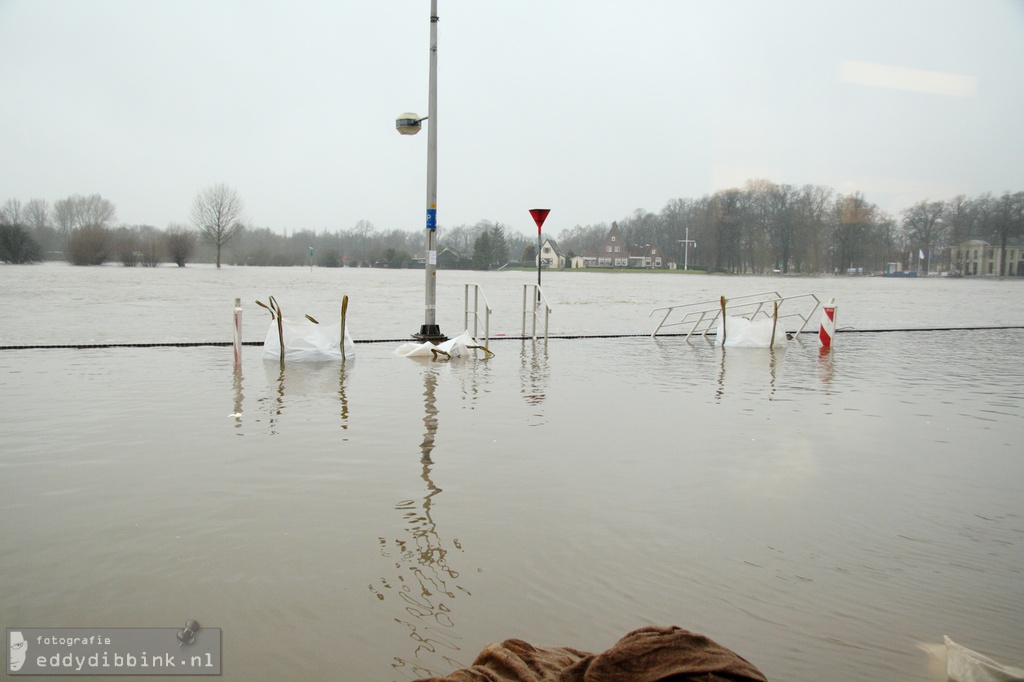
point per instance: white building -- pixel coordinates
(978, 257)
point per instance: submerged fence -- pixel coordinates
(228, 344)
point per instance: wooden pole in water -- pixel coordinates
(344, 312)
(724, 322)
(775, 322)
(280, 326)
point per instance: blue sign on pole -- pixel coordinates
(431, 218)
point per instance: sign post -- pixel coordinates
(539, 216)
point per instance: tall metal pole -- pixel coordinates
(686, 249)
(539, 216)
(430, 330)
(538, 263)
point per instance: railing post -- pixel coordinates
(477, 295)
(523, 331)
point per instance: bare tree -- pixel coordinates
(1009, 224)
(812, 211)
(16, 244)
(89, 245)
(577, 240)
(37, 214)
(151, 247)
(11, 213)
(923, 223)
(94, 210)
(64, 216)
(126, 245)
(181, 244)
(78, 211)
(853, 223)
(217, 215)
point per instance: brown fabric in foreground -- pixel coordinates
(650, 654)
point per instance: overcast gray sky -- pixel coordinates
(591, 108)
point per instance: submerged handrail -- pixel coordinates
(539, 300)
(702, 316)
(478, 293)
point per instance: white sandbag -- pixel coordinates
(965, 665)
(743, 333)
(306, 341)
(454, 347)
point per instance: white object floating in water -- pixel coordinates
(741, 332)
(306, 341)
(965, 665)
(453, 347)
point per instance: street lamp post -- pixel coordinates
(409, 124)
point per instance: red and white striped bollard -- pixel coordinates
(828, 324)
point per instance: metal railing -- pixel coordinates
(537, 300)
(478, 294)
(702, 317)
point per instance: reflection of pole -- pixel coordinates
(534, 374)
(426, 599)
(342, 395)
(721, 378)
(237, 414)
(237, 385)
(429, 415)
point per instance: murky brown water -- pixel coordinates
(819, 514)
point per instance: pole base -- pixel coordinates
(430, 333)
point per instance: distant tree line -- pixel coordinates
(810, 229)
(755, 229)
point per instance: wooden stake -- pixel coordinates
(725, 323)
(280, 325)
(344, 312)
(775, 321)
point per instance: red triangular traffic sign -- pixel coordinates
(539, 215)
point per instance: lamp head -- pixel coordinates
(409, 123)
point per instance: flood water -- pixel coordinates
(820, 514)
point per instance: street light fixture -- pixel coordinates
(410, 124)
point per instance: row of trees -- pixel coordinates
(758, 228)
(79, 228)
(809, 229)
(483, 246)
(216, 223)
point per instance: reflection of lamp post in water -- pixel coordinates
(423, 555)
(409, 124)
